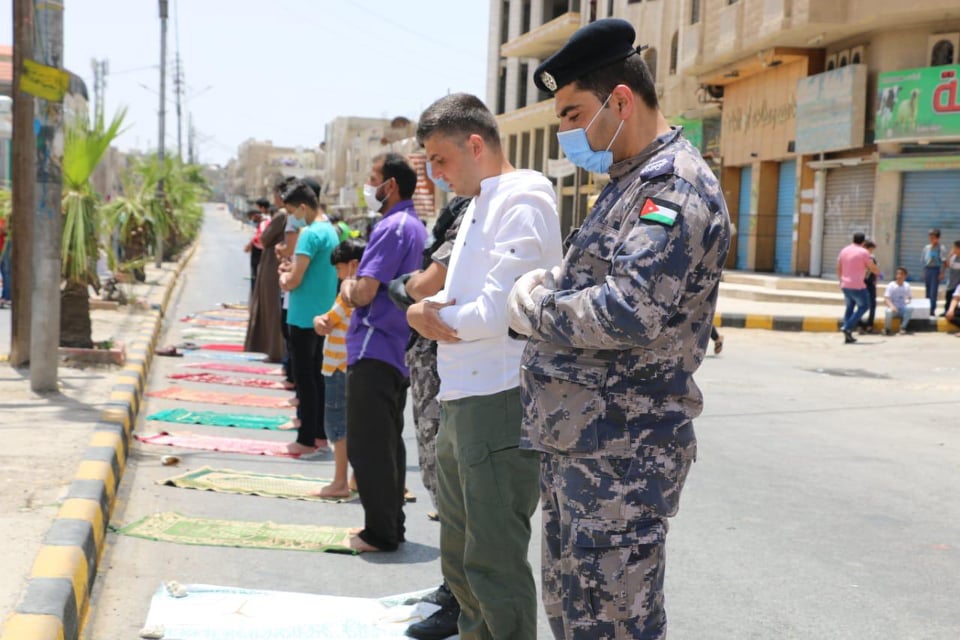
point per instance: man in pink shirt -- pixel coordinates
(853, 263)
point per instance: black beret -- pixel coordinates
(594, 46)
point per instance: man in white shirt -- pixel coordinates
(898, 297)
(488, 487)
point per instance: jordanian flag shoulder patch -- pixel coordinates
(657, 210)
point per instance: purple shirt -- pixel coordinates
(380, 329)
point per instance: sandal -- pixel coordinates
(170, 352)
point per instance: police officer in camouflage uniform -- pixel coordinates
(616, 333)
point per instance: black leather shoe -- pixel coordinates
(848, 337)
(441, 597)
(442, 624)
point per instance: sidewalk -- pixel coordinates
(52, 459)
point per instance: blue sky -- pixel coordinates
(276, 69)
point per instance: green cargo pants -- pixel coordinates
(488, 490)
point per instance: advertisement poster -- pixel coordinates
(918, 104)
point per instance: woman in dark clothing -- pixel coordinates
(264, 334)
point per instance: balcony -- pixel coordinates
(531, 117)
(691, 46)
(544, 40)
(728, 29)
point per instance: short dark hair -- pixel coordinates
(904, 269)
(314, 185)
(859, 237)
(631, 71)
(297, 193)
(396, 166)
(262, 203)
(459, 116)
(956, 243)
(869, 244)
(348, 251)
(934, 232)
(283, 183)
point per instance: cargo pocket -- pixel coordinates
(567, 405)
(620, 567)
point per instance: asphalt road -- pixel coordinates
(822, 505)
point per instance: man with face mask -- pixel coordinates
(487, 486)
(616, 334)
(377, 376)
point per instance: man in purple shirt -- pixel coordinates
(376, 374)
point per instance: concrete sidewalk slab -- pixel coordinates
(78, 439)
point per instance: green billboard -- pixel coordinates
(918, 104)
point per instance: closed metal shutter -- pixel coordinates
(848, 209)
(743, 228)
(930, 199)
(786, 190)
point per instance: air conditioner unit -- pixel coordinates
(843, 58)
(934, 46)
(858, 55)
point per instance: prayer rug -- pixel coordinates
(224, 355)
(218, 397)
(215, 419)
(218, 443)
(215, 378)
(181, 529)
(222, 346)
(209, 612)
(295, 487)
(236, 368)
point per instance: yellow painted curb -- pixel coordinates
(64, 562)
(97, 470)
(23, 626)
(83, 509)
(822, 325)
(758, 322)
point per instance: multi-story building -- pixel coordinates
(525, 32)
(837, 115)
(259, 165)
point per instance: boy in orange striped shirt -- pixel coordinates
(334, 324)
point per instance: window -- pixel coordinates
(538, 150)
(729, 2)
(855, 58)
(610, 8)
(522, 81)
(941, 54)
(694, 11)
(842, 60)
(502, 91)
(525, 24)
(674, 52)
(650, 57)
(504, 21)
(524, 158)
(634, 1)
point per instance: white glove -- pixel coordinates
(520, 303)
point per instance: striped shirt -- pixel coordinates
(335, 346)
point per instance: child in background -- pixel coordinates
(898, 298)
(870, 279)
(334, 324)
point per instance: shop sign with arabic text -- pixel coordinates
(918, 104)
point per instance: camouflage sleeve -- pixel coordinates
(647, 274)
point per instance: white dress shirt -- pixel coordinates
(511, 228)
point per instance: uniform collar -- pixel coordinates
(622, 168)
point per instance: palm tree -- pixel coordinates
(84, 147)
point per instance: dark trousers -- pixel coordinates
(931, 283)
(285, 329)
(946, 298)
(376, 397)
(307, 360)
(872, 313)
(254, 263)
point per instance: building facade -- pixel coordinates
(821, 117)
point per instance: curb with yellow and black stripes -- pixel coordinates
(57, 597)
(816, 324)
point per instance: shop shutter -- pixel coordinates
(743, 219)
(930, 199)
(786, 190)
(848, 209)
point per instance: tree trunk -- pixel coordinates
(75, 328)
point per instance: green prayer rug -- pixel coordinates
(217, 419)
(295, 487)
(181, 529)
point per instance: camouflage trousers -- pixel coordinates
(604, 530)
(421, 359)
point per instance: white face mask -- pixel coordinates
(370, 195)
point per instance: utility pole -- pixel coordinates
(45, 319)
(178, 89)
(23, 175)
(100, 70)
(163, 117)
(191, 140)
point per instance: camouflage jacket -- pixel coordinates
(609, 366)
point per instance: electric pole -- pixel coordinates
(178, 89)
(23, 175)
(163, 116)
(45, 319)
(191, 140)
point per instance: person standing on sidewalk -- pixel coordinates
(312, 283)
(852, 263)
(264, 330)
(424, 388)
(487, 485)
(952, 269)
(377, 376)
(870, 280)
(934, 259)
(616, 333)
